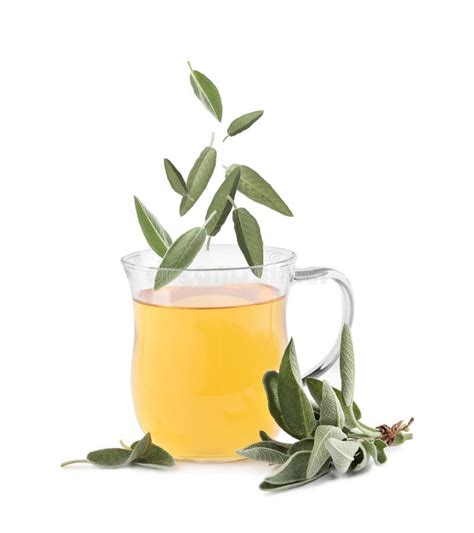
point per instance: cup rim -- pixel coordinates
(129, 261)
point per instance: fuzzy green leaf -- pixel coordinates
(155, 235)
(342, 452)
(265, 451)
(293, 470)
(275, 488)
(361, 460)
(303, 445)
(140, 448)
(331, 410)
(206, 92)
(243, 122)
(320, 454)
(252, 185)
(249, 239)
(221, 203)
(155, 457)
(315, 387)
(109, 457)
(175, 178)
(347, 366)
(296, 408)
(198, 178)
(179, 256)
(381, 455)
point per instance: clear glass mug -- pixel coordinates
(204, 341)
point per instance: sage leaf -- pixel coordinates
(206, 92)
(155, 235)
(342, 452)
(140, 448)
(252, 185)
(274, 488)
(175, 178)
(294, 469)
(265, 451)
(319, 453)
(243, 122)
(221, 204)
(296, 408)
(155, 457)
(361, 460)
(180, 255)
(315, 387)
(347, 366)
(198, 178)
(249, 239)
(264, 435)
(303, 445)
(381, 455)
(109, 457)
(270, 383)
(331, 409)
(371, 450)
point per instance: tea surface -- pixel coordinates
(200, 354)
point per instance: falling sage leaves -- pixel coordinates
(206, 92)
(243, 122)
(221, 203)
(155, 235)
(175, 178)
(249, 239)
(252, 185)
(198, 178)
(181, 254)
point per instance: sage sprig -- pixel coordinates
(238, 179)
(329, 432)
(140, 453)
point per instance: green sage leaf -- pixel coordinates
(361, 460)
(155, 457)
(264, 435)
(198, 178)
(140, 448)
(303, 445)
(243, 122)
(155, 235)
(179, 256)
(347, 366)
(381, 455)
(293, 470)
(252, 185)
(109, 457)
(270, 383)
(315, 387)
(342, 452)
(221, 203)
(265, 451)
(319, 453)
(331, 409)
(296, 408)
(249, 239)
(274, 488)
(175, 178)
(206, 92)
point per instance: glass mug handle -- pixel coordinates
(314, 273)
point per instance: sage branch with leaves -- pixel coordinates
(329, 431)
(177, 255)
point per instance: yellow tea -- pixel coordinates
(200, 354)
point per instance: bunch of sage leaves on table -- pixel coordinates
(329, 431)
(178, 254)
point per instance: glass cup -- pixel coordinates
(204, 341)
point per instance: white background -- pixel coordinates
(367, 134)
